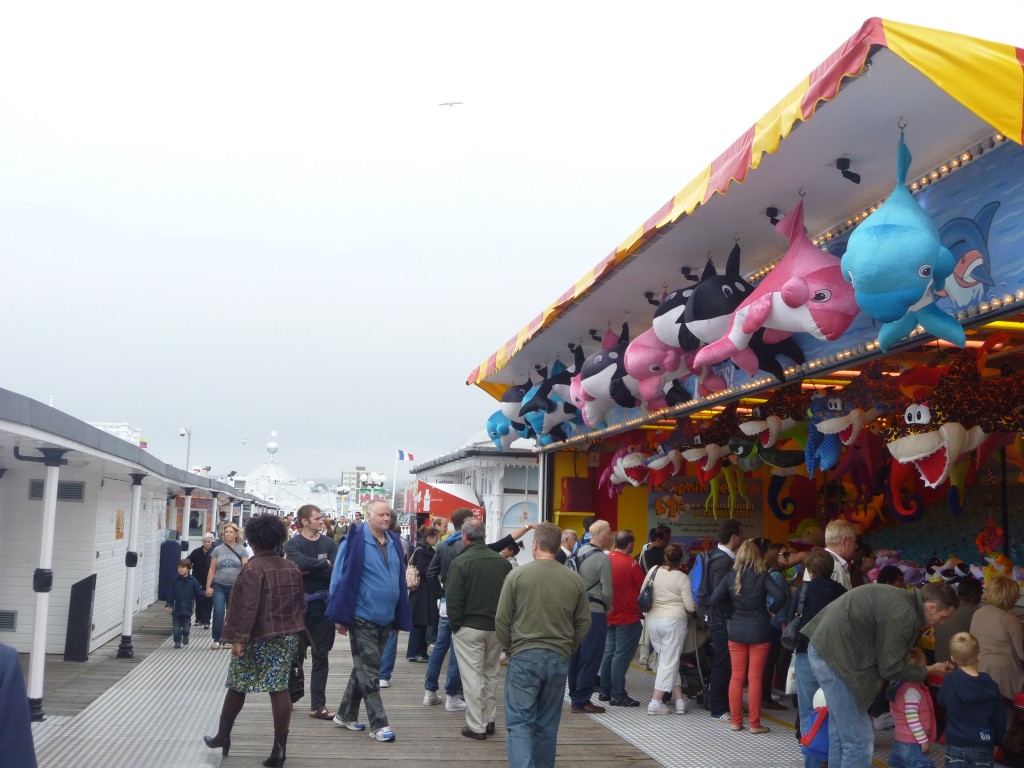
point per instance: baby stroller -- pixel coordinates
(695, 663)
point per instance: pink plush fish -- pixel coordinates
(804, 293)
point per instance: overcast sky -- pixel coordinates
(245, 217)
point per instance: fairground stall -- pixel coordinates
(825, 322)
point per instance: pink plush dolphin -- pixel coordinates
(653, 363)
(804, 293)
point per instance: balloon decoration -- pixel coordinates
(897, 264)
(804, 293)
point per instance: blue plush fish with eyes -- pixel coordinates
(896, 263)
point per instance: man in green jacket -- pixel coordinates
(860, 640)
(472, 590)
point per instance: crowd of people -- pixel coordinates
(571, 618)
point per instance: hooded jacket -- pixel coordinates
(975, 715)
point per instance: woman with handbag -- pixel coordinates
(810, 598)
(267, 614)
(423, 599)
(226, 561)
(666, 628)
(741, 595)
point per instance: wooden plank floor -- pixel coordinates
(420, 731)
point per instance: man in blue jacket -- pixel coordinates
(369, 600)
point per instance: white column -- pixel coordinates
(185, 515)
(42, 583)
(131, 559)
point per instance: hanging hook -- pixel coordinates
(708, 257)
(802, 192)
(901, 123)
(736, 237)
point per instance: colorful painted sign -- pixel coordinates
(680, 505)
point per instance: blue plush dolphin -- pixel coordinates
(896, 263)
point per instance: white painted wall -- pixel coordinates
(85, 542)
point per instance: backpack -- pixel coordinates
(576, 561)
(815, 741)
(698, 582)
(570, 563)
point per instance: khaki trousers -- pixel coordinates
(479, 662)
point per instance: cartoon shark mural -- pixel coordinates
(967, 240)
(804, 293)
(896, 263)
(960, 413)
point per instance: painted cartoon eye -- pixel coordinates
(727, 290)
(821, 295)
(598, 358)
(835, 403)
(655, 368)
(918, 414)
(925, 271)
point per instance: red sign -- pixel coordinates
(443, 500)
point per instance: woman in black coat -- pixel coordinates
(741, 596)
(422, 601)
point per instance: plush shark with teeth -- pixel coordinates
(627, 466)
(959, 414)
(711, 444)
(804, 293)
(896, 262)
(779, 414)
(860, 402)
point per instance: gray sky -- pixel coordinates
(245, 217)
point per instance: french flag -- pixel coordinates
(403, 456)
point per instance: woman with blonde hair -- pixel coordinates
(666, 627)
(226, 561)
(1000, 636)
(742, 595)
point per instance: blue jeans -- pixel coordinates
(453, 683)
(619, 647)
(221, 594)
(851, 739)
(181, 625)
(534, 687)
(909, 755)
(969, 757)
(586, 661)
(387, 656)
(806, 686)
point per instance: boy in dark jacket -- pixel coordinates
(184, 590)
(975, 715)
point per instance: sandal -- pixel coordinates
(322, 714)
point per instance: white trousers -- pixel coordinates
(479, 657)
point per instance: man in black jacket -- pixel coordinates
(200, 559)
(315, 554)
(719, 563)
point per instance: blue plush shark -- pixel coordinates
(967, 240)
(897, 263)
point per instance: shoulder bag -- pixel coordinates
(412, 576)
(791, 636)
(645, 600)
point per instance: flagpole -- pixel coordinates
(394, 480)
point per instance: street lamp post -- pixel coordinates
(186, 432)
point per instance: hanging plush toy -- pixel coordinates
(959, 414)
(870, 395)
(804, 293)
(626, 466)
(896, 262)
(711, 444)
(603, 382)
(547, 405)
(504, 432)
(709, 311)
(822, 450)
(781, 414)
(653, 364)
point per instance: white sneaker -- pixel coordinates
(430, 697)
(681, 705)
(658, 708)
(384, 734)
(883, 721)
(454, 703)
(352, 725)
(385, 683)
